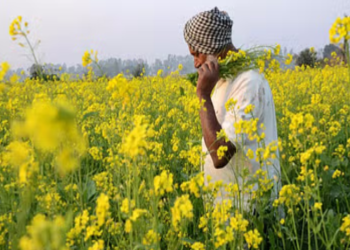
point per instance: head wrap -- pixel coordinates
(208, 32)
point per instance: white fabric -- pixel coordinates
(249, 87)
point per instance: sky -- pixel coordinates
(153, 29)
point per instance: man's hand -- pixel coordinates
(208, 76)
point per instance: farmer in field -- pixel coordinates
(208, 36)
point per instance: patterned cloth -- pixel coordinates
(209, 31)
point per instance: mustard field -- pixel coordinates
(99, 163)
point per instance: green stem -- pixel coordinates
(308, 217)
(295, 229)
(342, 188)
(99, 67)
(347, 53)
(33, 53)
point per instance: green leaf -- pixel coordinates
(251, 181)
(335, 192)
(193, 78)
(272, 239)
(64, 114)
(182, 91)
(330, 214)
(139, 246)
(91, 189)
(187, 240)
(87, 115)
(318, 227)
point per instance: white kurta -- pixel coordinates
(249, 87)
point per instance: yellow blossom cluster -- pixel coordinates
(340, 30)
(181, 211)
(4, 67)
(89, 57)
(253, 239)
(264, 182)
(163, 183)
(195, 185)
(102, 209)
(198, 246)
(151, 238)
(44, 233)
(345, 227)
(16, 28)
(289, 195)
(137, 156)
(229, 225)
(19, 155)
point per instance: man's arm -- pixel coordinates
(210, 127)
(208, 77)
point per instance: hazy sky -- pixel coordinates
(152, 29)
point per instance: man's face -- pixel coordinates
(199, 58)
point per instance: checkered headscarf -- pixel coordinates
(209, 31)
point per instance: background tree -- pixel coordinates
(329, 49)
(306, 57)
(138, 71)
(38, 72)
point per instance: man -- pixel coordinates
(208, 36)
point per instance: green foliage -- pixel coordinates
(329, 49)
(37, 72)
(236, 62)
(306, 58)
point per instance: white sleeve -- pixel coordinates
(247, 89)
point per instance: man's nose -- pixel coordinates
(197, 64)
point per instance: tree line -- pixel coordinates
(137, 67)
